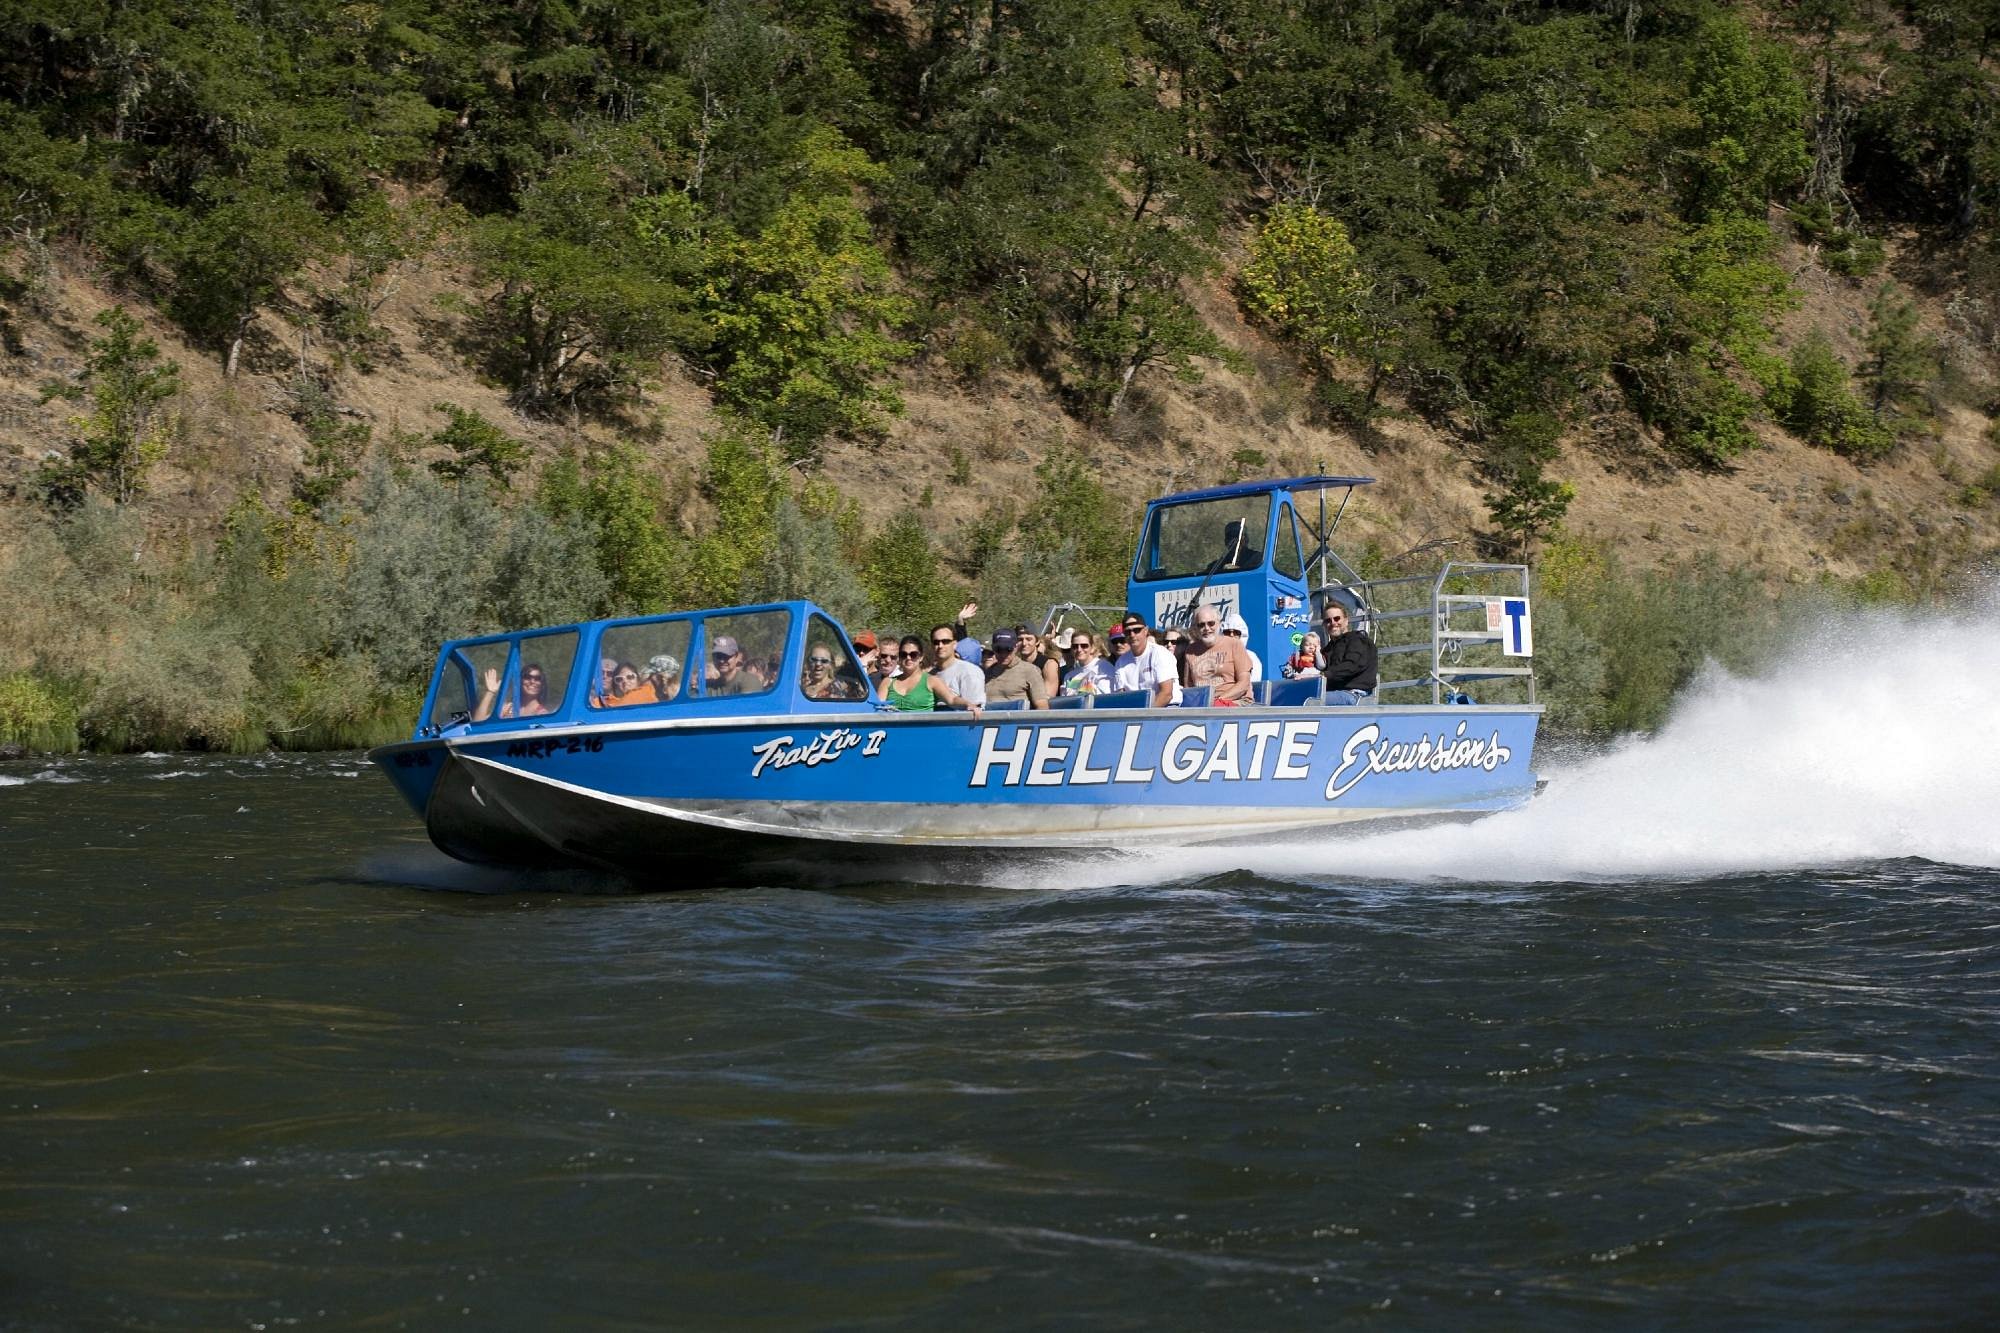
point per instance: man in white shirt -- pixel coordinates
(967, 681)
(1147, 665)
(1235, 627)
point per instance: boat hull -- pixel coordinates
(696, 801)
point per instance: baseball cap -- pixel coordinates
(665, 663)
(1003, 640)
(865, 640)
(726, 646)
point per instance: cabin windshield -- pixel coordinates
(831, 670)
(1205, 537)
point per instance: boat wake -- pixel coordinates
(1875, 736)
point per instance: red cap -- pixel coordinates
(865, 640)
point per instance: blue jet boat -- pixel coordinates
(745, 740)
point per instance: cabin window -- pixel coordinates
(1285, 559)
(469, 670)
(746, 652)
(641, 664)
(543, 677)
(830, 671)
(1205, 537)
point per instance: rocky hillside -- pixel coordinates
(1787, 509)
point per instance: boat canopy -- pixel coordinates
(1314, 483)
(773, 658)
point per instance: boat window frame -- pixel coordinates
(788, 652)
(1149, 538)
(594, 705)
(840, 640)
(1287, 523)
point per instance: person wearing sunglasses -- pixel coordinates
(1216, 661)
(948, 664)
(1009, 676)
(913, 688)
(1088, 673)
(1349, 655)
(729, 673)
(1147, 665)
(818, 680)
(627, 688)
(534, 694)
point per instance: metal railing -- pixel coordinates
(1431, 632)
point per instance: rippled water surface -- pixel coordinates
(1686, 1044)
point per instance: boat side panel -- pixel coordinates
(1306, 760)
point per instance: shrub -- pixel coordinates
(1816, 402)
(477, 445)
(807, 558)
(34, 715)
(904, 577)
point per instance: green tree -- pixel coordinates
(1303, 277)
(232, 259)
(128, 427)
(1526, 503)
(1751, 111)
(904, 577)
(621, 503)
(743, 479)
(584, 298)
(1901, 362)
(803, 313)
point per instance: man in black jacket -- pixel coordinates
(1349, 656)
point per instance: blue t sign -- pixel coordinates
(1519, 637)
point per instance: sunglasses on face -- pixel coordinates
(1135, 629)
(944, 643)
(533, 678)
(632, 676)
(821, 661)
(911, 652)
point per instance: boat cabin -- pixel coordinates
(751, 660)
(1250, 549)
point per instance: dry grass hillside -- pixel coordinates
(1789, 510)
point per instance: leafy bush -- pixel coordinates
(34, 715)
(477, 445)
(1614, 647)
(1816, 402)
(432, 561)
(904, 577)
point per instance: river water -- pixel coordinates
(1708, 1035)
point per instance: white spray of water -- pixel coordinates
(1872, 738)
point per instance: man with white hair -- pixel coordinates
(1213, 660)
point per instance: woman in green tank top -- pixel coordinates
(916, 690)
